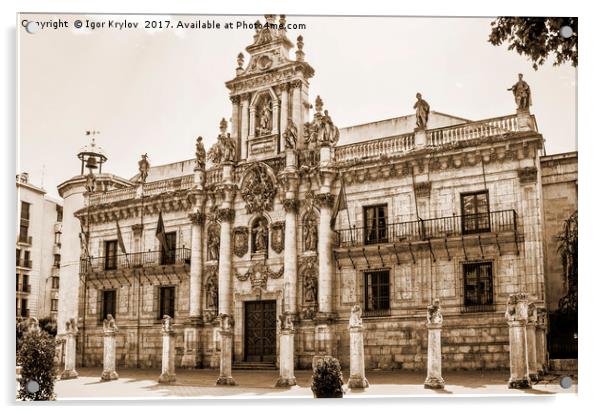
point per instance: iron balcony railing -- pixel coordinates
(496, 222)
(24, 263)
(180, 255)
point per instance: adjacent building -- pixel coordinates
(38, 250)
(291, 220)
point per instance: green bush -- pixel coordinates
(36, 358)
(327, 379)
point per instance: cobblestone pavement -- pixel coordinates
(142, 383)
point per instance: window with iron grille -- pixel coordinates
(167, 301)
(54, 305)
(475, 212)
(376, 291)
(111, 255)
(55, 282)
(375, 224)
(109, 298)
(478, 284)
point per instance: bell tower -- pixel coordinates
(270, 94)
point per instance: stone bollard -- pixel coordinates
(287, 352)
(540, 340)
(70, 350)
(357, 375)
(434, 321)
(109, 328)
(532, 341)
(516, 316)
(225, 364)
(168, 360)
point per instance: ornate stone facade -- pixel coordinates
(423, 216)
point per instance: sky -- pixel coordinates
(155, 90)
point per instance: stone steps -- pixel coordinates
(260, 366)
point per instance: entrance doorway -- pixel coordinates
(260, 331)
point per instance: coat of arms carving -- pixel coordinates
(241, 241)
(258, 190)
(259, 273)
(278, 237)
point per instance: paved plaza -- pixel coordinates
(260, 384)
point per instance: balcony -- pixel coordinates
(150, 259)
(25, 288)
(24, 263)
(25, 239)
(424, 230)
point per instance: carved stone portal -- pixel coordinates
(241, 241)
(258, 190)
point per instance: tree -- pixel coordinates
(567, 249)
(537, 38)
(38, 371)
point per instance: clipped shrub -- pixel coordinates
(327, 378)
(38, 371)
(49, 325)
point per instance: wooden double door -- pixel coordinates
(260, 331)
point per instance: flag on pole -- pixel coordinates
(120, 239)
(339, 204)
(160, 234)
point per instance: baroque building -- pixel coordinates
(271, 236)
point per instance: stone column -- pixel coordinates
(251, 123)
(287, 352)
(297, 108)
(225, 365)
(434, 321)
(325, 263)
(168, 357)
(109, 329)
(540, 340)
(70, 350)
(244, 127)
(196, 264)
(516, 315)
(283, 113)
(532, 341)
(235, 121)
(357, 374)
(275, 116)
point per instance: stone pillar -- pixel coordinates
(168, 357)
(244, 127)
(235, 121)
(434, 321)
(516, 316)
(325, 262)
(290, 255)
(196, 264)
(109, 329)
(541, 342)
(70, 350)
(225, 365)
(297, 108)
(532, 341)
(419, 137)
(357, 374)
(525, 123)
(283, 114)
(287, 352)
(251, 123)
(275, 116)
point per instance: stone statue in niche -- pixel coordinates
(213, 242)
(422, 111)
(264, 126)
(309, 274)
(290, 135)
(310, 233)
(260, 235)
(212, 292)
(143, 167)
(200, 154)
(522, 93)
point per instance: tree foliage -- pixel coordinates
(537, 38)
(327, 379)
(36, 358)
(567, 249)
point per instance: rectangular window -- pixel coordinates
(475, 212)
(25, 285)
(17, 285)
(375, 224)
(169, 257)
(478, 286)
(59, 213)
(18, 257)
(376, 292)
(111, 255)
(24, 210)
(26, 260)
(24, 310)
(167, 301)
(55, 282)
(23, 230)
(54, 305)
(108, 304)
(57, 260)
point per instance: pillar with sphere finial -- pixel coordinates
(300, 54)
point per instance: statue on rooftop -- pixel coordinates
(522, 93)
(422, 111)
(143, 167)
(201, 155)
